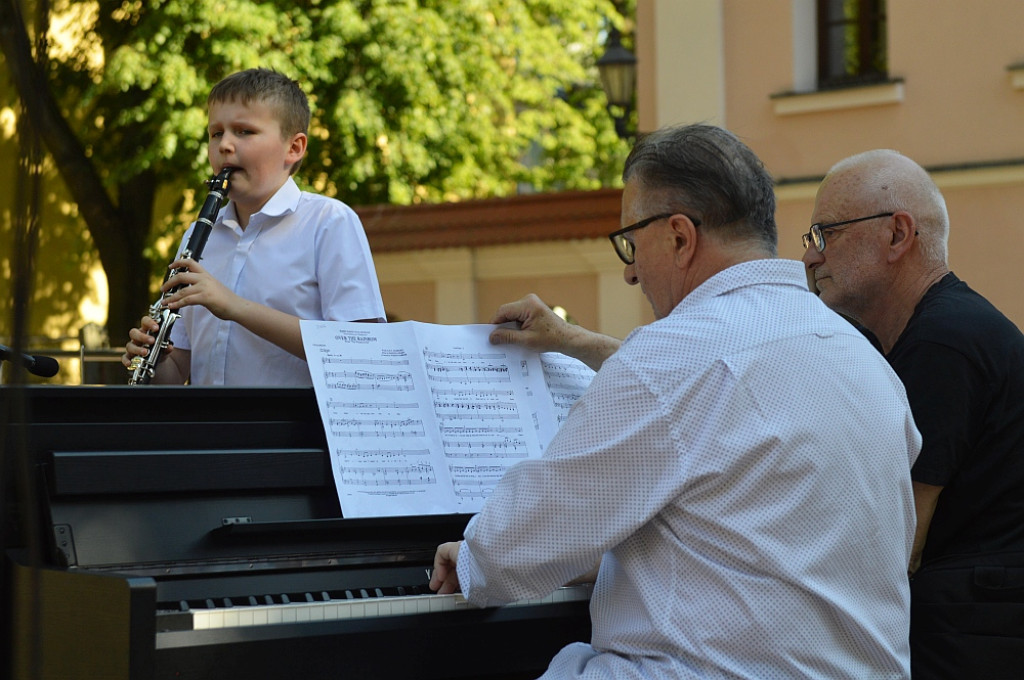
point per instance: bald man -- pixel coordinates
(877, 253)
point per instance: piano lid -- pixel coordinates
(164, 481)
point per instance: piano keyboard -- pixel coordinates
(360, 608)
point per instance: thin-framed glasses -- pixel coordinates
(625, 248)
(817, 233)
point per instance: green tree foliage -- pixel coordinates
(413, 101)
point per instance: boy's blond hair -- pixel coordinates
(282, 94)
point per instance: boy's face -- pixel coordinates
(248, 138)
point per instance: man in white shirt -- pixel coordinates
(739, 469)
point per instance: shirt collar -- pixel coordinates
(771, 271)
(284, 201)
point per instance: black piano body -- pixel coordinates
(186, 532)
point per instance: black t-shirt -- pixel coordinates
(962, 364)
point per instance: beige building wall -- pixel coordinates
(956, 107)
(467, 285)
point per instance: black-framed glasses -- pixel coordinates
(817, 233)
(625, 248)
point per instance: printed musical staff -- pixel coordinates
(566, 379)
(494, 448)
(363, 362)
(370, 405)
(465, 356)
(424, 419)
(388, 475)
(468, 374)
(475, 394)
(371, 455)
(369, 380)
(376, 428)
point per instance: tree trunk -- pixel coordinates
(128, 272)
(119, 233)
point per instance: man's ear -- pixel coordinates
(903, 234)
(684, 238)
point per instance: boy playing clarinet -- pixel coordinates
(276, 254)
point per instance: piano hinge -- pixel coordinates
(65, 542)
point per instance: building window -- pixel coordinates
(851, 42)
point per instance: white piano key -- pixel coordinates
(237, 617)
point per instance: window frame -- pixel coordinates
(871, 25)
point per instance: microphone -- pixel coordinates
(44, 367)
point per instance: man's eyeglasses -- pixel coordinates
(625, 248)
(817, 233)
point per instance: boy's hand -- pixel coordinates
(199, 288)
(140, 340)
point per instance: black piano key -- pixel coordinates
(268, 599)
(363, 594)
(210, 604)
(285, 599)
(226, 602)
(349, 595)
(309, 597)
(401, 591)
(183, 606)
(325, 596)
(253, 601)
(379, 592)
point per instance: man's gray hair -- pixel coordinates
(709, 174)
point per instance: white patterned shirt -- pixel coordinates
(303, 254)
(741, 469)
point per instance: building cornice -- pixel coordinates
(581, 215)
(489, 222)
(946, 176)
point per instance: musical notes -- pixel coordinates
(370, 405)
(566, 379)
(493, 448)
(378, 428)
(464, 356)
(368, 380)
(361, 456)
(364, 362)
(488, 374)
(480, 393)
(426, 419)
(387, 475)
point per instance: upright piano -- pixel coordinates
(190, 532)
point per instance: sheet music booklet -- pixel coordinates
(424, 419)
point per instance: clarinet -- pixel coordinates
(144, 368)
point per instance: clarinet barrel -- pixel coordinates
(144, 368)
